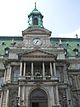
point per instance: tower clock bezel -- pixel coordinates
(37, 41)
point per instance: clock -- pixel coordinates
(37, 42)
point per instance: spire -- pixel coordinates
(35, 5)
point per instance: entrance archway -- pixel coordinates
(38, 98)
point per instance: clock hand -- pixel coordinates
(36, 42)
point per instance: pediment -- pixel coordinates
(37, 54)
(36, 30)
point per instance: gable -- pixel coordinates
(37, 55)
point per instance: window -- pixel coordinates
(35, 21)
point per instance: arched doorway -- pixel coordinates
(38, 98)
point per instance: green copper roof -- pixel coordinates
(6, 41)
(69, 44)
(35, 11)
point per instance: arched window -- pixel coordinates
(35, 21)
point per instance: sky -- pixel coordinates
(62, 17)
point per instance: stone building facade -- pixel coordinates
(37, 70)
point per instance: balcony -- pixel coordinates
(38, 78)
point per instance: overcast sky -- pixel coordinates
(62, 17)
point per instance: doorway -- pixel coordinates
(38, 98)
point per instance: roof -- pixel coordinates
(6, 41)
(36, 30)
(35, 11)
(70, 44)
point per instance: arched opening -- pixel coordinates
(35, 21)
(38, 98)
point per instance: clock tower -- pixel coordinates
(36, 36)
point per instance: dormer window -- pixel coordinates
(3, 43)
(6, 51)
(76, 51)
(65, 52)
(35, 21)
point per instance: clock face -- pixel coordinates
(37, 41)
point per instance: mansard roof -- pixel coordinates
(7, 41)
(69, 44)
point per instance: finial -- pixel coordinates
(35, 5)
(60, 42)
(76, 35)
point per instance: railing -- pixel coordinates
(29, 78)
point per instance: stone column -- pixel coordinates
(76, 83)
(51, 100)
(23, 89)
(5, 74)
(65, 74)
(54, 67)
(1, 99)
(51, 70)
(43, 71)
(57, 96)
(20, 68)
(9, 73)
(53, 96)
(7, 100)
(19, 91)
(19, 88)
(24, 69)
(68, 94)
(32, 74)
(27, 103)
(23, 94)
